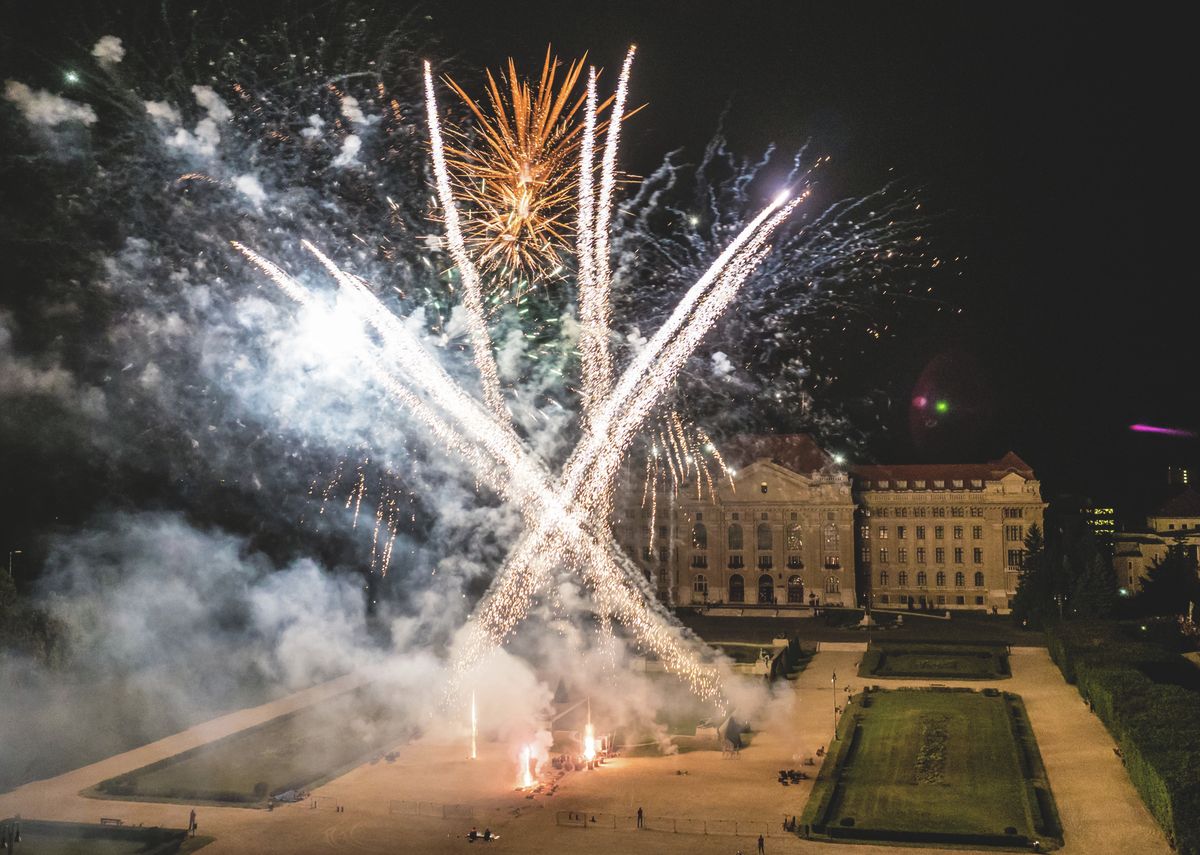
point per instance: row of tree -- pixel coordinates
(1070, 575)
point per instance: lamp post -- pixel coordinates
(834, 684)
(11, 553)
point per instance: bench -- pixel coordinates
(109, 820)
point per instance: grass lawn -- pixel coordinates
(935, 661)
(936, 767)
(294, 751)
(39, 837)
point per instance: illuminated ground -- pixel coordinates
(384, 803)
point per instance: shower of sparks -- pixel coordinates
(512, 174)
(567, 517)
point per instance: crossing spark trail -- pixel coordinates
(566, 516)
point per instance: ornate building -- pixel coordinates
(791, 526)
(1176, 522)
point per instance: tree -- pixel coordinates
(1094, 593)
(1171, 583)
(1034, 605)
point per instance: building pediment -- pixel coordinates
(780, 483)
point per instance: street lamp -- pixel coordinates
(11, 553)
(834, 682)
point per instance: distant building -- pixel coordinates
(791, 527)
(945, 535)
(1175, 522)
(1101, 521)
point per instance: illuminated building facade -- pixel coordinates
(1175, 522)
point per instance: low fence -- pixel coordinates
(434, 809)
(673, 825)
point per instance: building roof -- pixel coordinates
(992, 470)
(1185, 503)
(795, 451)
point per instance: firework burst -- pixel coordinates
(513, 171)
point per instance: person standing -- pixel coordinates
(640, 818)
(761, 848)
(192, 823)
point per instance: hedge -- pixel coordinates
(1156, 725)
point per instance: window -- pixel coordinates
(956, 511)
(699, 536)
(977, 555)
(922, 578)
(762, 488)
(832, 585)
(939, 532)
(940, 578)
(883, 578)
(864, 531)
(976, 482)
(662, 531)
(978, 580)
(902, 555)
(938, 484)
(883, 598)
(795, 590)
(737, 588)
(902, 578)
(958, 601)
(901, 512)
(938, 512)
(957, 483)
(831, 537)
(735, 535)
(883, 532)
(941, 599)
(765, 562)
(920, 554)
(700, 585)
(1014, 533)
(795, 543)
(918, 485)
(795, 516)
(766, 589)
(958, 555)
(794, 562)
(901, 532)
(699, 516)
(958, 532)
(833, 562)
(918, 512)
(979, 601)
(881, 512)
(766, 516)
(902, 485)
(736, 515)
(1013, 513)
(939, 555)
(1016, 557)
(883, 555)
(664, 553)
(976, 532)
(765, 541)
(920, 532)
(699, 560)
(736, 561)
(960, 580)
(976, 512)
(648, 553)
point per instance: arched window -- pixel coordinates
(941, 579)
(735, 536)
(959, 580)
(831, 539)
(883, 577)
(737, 588)
(699, 536)
(795, 543)
(922, 579)
(978, 580)
(832, 585)
(700, 584)
(902, 578)
(795, 590)
(766, 588)
(764, 537)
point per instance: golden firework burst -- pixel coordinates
(515, 170)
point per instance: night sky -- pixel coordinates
(1048, 146)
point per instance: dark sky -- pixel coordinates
(1050, 139)
(1049, 144)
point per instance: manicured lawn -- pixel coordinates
(294, 751)
(39, 837)
(933, 766)
(935, 661)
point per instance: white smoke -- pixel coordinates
(108, 51)
(45, 108)
(348, 156)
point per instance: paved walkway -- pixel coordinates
(1100, 811)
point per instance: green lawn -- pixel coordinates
(934, 766)
(935, 661)
(40, 837)
(294, 751)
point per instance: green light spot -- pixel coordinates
(942, 406)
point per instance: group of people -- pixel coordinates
(474, 835)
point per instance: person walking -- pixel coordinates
(640, 818)
(192, 823)
(761, 848)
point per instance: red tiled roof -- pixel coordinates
(795, 451)
(989, 471)
(1185, 503)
